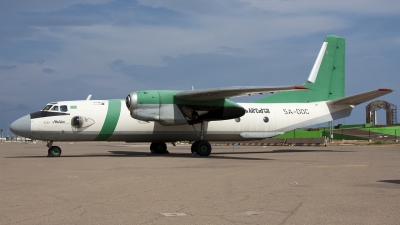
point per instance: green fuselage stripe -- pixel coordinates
(113, 112)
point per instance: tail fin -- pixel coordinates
(326, 80)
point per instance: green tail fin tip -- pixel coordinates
(326, 80)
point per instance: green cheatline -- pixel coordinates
(113, 112)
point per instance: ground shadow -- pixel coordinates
(390, 181)
(220, 154)
(120, 153)
(278, 151)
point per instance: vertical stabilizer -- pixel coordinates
(326, 80)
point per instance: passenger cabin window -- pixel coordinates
(55, 108)
(63, 108)
(47, 107)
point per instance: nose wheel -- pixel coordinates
(53, 151)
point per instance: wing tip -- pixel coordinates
(300, 87)
(385, 89)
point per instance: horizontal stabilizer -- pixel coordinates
(230, 92)
(361, 98)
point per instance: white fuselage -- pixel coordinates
(261, 120)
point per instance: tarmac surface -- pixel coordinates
(118, 183)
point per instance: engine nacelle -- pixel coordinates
(149, 106)
(165, 108)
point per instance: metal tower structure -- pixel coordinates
(391, 112)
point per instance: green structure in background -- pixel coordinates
(341, 132)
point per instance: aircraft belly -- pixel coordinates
(167, 136)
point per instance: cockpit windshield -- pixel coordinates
(55, 108)
(47, 107)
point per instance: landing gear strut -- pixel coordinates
(158, 148)
(201, 147)
(53, 151)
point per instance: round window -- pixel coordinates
(266, 119)
(237, 120)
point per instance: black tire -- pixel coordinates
(194, 146)
(203, 148)
(152, 147)
(55, 151)
(159, 147)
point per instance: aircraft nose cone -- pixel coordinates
(22, 126)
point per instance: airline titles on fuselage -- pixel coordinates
(256, 110)
(285, 111)
(58, 121)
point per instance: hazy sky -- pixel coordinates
(65, 50)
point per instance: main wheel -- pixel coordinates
(158, 147)
(194, 146)
(54, 151)
(203, 148)
(152, 147)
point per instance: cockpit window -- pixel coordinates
(55, 108)
(63, 108)
(47, 107)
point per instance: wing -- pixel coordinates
(361, 98)
(230, 92)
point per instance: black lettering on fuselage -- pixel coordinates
(296, 111)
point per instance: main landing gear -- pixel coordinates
(201, 147)
(158, 148)
(54, 151)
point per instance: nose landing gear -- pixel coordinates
(53, 151)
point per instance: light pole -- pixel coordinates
(1, 131)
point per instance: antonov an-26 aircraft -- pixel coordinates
(160, 116)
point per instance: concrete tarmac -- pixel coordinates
(118, 183)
